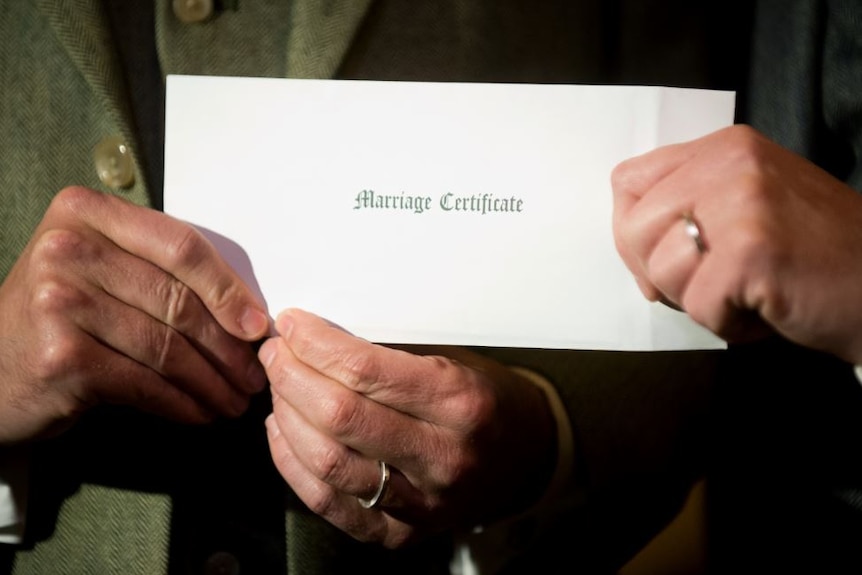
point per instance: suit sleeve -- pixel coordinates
(640, 430)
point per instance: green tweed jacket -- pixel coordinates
(127, 494)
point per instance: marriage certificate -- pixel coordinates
(431, 213)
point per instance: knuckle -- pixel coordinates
(476, 402)
(621, 177)
(224, 294)
(185, 248)
(179, 302)
(73, 199)
(342, 414)
(360, 370)
(767, 296)
(282, 374)
(742, 134)
(322, 501)
(221, 295)
(51, 297)
(189, 249)
(329, 464)
(58, 359)
(482, 406)
(745, 147)
(61, 245)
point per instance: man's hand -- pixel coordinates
(111, 302)
(466, 439)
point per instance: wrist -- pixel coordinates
(564, 449)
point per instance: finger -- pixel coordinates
(632, 181)
(648, 220)
(673, 263)
(368, 427)
(633, 178)
(427, 387)
(177, 248)
(152, 344)
(342, 468)
(140, 284)
(340, 509)
(651, 220)
(330, 461)
(93, 373)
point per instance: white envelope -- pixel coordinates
(433, 213)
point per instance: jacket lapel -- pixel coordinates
(83, 29)
(321, 35)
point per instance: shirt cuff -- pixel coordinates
(14, 471)
(565, 439)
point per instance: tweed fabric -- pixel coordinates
(104, 530)
(51, 117)
(245, 42)
(320, 36)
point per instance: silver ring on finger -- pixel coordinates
(692, 230)
(381, 488)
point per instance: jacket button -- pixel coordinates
(192, 11)
(114, 163)
(221, 563)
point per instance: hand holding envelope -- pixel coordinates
(464, 439)
(782, 250)
(114, 303)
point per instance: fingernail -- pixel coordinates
(271, 427)
(266, 353)
(284, 324)
(207, 415)
(238, 406)
(253, 322)
(256, 377)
